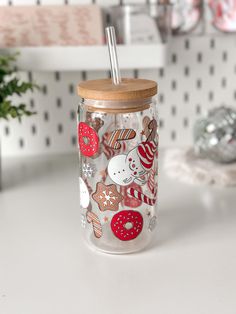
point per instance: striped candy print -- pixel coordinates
(146, 151)
(142, 197)
(120, 135)
(151, 181)
(97, 227)
(107, 150)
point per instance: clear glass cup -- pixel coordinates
(118, 155)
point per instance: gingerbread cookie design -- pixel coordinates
(127, 225)
(95, 122)
(88, 140)
(107, 197)
(116, 137)
(150, 129)
(125, 169)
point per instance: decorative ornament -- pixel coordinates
(89, 170)
(152, 223)
(107, 197)
(88, 140)
(186, 14)
(84, 194)
(127, 225)
(125, 169)
(94, 220)
(215, 135)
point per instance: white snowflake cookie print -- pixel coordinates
(89, 170)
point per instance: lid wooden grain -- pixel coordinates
(129, 89)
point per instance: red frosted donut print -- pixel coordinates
(127, 225)
(88, 140)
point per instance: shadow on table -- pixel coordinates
(192, 209)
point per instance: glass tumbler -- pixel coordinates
(118, 163)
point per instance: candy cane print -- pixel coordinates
(97, 227)
(151, 183)
(120, 135)
(142, 197)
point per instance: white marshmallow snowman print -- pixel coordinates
(125, 169)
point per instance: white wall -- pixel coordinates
(201, 74)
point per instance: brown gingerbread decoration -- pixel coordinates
(150, 129)
(96, 123)
(107, 197)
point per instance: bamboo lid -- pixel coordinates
(129, 90)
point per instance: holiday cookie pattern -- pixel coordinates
(94, 220)
(88, 140)
(118, 136)
(126, 225)
(125, 169)
(107, 197)
(95, 122)
(150, 129)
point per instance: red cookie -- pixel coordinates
(127, 225)
(88, 140)
(130, 201)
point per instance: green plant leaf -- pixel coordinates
(11, 85)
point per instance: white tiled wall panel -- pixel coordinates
(201, 74)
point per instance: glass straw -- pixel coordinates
(111, 42)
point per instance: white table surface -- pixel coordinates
(45, 268)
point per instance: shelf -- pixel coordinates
(89, 57)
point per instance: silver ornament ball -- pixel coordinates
(215, 135)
